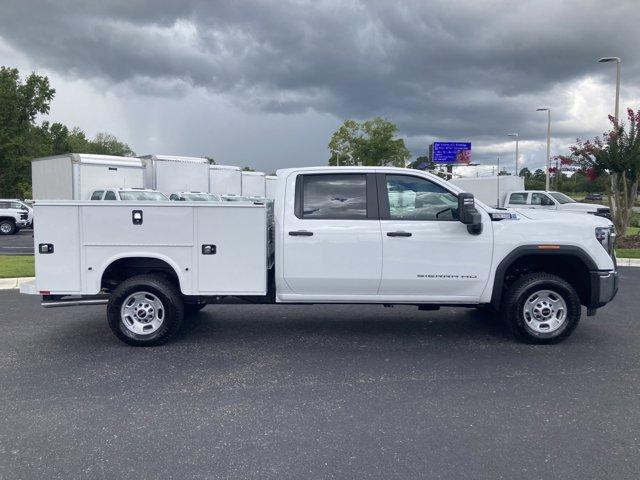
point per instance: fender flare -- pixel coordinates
(523, 250)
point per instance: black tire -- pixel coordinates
(168, 295)
(7, 227)
(191, 308)
(522, 289)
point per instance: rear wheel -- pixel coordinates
(145, 310)
(7, 227)
(541, 308)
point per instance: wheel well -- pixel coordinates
(570, 268)
(12, 219)
(124, 268)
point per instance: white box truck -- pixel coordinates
(254, 184)
(271, 183)
(225, 180)
(75, 176)
(340, 237)
(169, 173)
(490, 190)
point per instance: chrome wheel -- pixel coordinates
(142, 313)
(545, 311)
(6, 228)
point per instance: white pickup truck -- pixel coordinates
(552, 201)
(348, 235)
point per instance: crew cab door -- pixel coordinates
(428, 254)
(331, 235)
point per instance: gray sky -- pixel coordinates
(266, 83)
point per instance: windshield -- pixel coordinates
(142, 195)
(201, 197)
(562, 198)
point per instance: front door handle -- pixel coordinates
(301, 233)
(398, 234)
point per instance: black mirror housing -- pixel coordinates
(468, 214)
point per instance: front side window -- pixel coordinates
(561, 198)
(416, 198)
(541, 199)
(110, 195)
(334, 196)
(97, 195)
(518, 198)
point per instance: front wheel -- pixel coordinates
(145, 310)
(541, 308)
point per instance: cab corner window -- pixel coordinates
(110, 195)
(334, 196)
(97, 195)
(416, 198)
(518, 199)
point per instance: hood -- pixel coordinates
(563, 217)
(582, 207)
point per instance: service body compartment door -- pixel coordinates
(231, 249)
(58, 271)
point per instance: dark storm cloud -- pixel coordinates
(447, 69)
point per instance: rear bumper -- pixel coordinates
(604, 286)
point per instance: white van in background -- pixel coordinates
(225, 180)
(75, 176)
(254, 184)
(171, 173)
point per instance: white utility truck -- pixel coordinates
(553, 201)
(170, 173)
(225, 180)
(490, 190)
(351, 235)
(75, 176)
(254, 184)
(270, 187)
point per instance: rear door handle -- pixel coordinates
(301, 233)
(398, 234)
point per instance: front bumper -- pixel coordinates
(22, 223)
(604, 286)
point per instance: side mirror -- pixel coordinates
(468, 214)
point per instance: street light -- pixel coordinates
(548, 110)
(618, 61)
(516, 137)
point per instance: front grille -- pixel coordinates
(24, 216)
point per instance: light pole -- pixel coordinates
(618, 61)
(548, 110)
(516, 137)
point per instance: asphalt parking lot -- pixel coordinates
(319, 392)
(19, 244)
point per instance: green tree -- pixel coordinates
(618, 155)
(371, 143)
(107, 144)
(525, 172)
(248, 169)
(20, 102)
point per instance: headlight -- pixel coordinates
(606, 236)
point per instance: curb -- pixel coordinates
(628, 262)
(13, 283)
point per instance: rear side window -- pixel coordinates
(110, 195)
(541, 199)
(334, 196)
(97, 195)
(518, 199)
